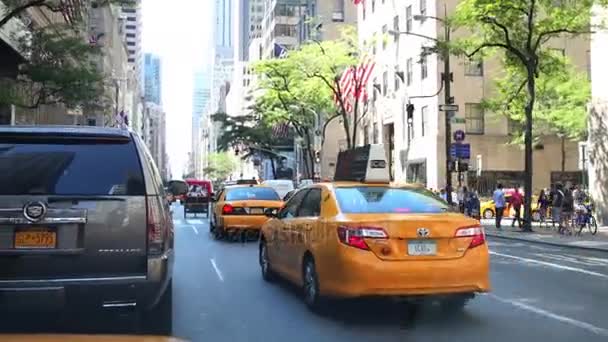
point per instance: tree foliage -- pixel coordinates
(60, 68)
(221, 165)
(522, 31)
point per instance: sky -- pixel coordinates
(180, 34)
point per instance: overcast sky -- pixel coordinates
(180, 34)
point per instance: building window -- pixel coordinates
(131, 43)
(374, 43)
(384, 83)
(410, 127)
(338, 15)
(397, 79)
(424, 71)
(422, 11)
(91, 122)
(396, 28)
(473, 67)
(286, 30)
(409, 72)
(366, 135)
(130, 35)
(474, 118)
(363, 9)
(131, 60)
(384, 38)
(131, 19)
(375, 133)
(408, 18)
(131, 27)
(424, 117)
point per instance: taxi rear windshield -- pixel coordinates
(244, 194)
(383, 200)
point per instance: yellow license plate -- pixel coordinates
(40, 238)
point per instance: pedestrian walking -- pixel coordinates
(516, 203)
(567, 209)
(556, 206)
(462, 193)
(499, 204)
(543, 205)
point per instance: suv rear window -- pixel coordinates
(73, 168)
(243, 194)
(373, 199)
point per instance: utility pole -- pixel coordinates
(447, 92)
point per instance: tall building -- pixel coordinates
(200, 102)
(152, 78)
(132, 20)
(417, 147)
(154, 135)
(223, 36)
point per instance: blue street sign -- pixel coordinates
(460, 151)
(459, 135)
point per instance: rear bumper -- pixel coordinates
(243, 222)
(125, 292)
(364, 274)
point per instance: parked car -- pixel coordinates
(85, 224)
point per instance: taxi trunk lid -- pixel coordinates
(415, 236)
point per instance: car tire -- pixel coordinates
(488, 214)
(159, 319)
(454, 304)
(218, 233)
(310, 286)
(267, 272)
(211, 226)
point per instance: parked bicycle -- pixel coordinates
(586, 220)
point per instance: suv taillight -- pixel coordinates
(476, 232)
(355, 236)
(157, 227)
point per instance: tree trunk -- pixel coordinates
(274, 168)
(563, 153)
(528, 150)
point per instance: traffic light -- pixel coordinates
(317, 157)
(410, 113)
(462, 167)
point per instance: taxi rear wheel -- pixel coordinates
(488, 214)
(454, 304)
(267, 273)
(310, 281)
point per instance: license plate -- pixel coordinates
(39, 238)
(426, 247)
(256, 211)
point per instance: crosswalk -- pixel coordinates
(178, 222)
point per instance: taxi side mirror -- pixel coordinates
(271, 212)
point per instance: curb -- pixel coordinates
(549, 243)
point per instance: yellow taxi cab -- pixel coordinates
(362, 236)
(242, 208)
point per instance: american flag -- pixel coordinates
(280, 130)
(353, 82)
(357, 2)
(280, 51)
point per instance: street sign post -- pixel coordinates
(448, 107)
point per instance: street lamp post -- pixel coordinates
(446, 77)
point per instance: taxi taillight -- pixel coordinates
(476, 232)
(355, 236)
(227, 209)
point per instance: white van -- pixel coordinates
(281, 186)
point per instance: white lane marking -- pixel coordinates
(178, 222)
(544, 263)
(217, 270)
(583, 325)
(195, 221)
(195, 230)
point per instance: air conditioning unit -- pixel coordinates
(337, 16)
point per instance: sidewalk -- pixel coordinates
(548, 236)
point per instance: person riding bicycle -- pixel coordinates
(580, 199)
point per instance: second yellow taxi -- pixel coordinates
(365, 237)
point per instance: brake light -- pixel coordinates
(476, 232)
(157, 228)
(227, 209)
(355, 236)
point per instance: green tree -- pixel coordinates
(251, 134)
(522, 31)
(561, 107)
(221, 165)
(15, 8)
(60, 69)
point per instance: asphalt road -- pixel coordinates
(539, 292)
